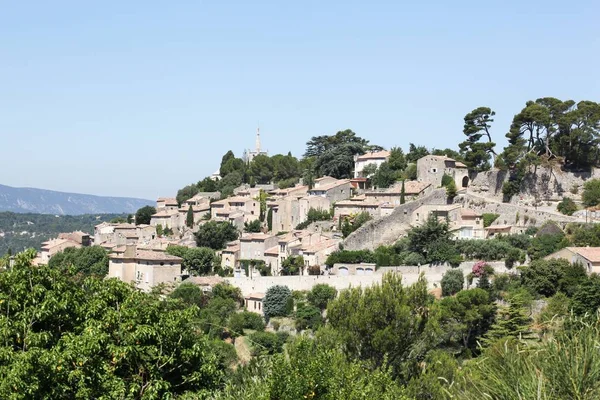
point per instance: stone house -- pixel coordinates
(292, 210)
(200, 212)
(334, 191)
(374, 157)
(290, 244)
(145, 269)
(254, 245)
(249, 207)
(499, 229)
(299, 191)
(104, 232)
(53, 246)
(392, 195)
(357, 205)
(431, 169)
(78, 237)
(254, 303)
(589, 257)
(230, 255)
(167, 204)
(167, 218)
(317, 253)
(464, 223)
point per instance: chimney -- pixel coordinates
(130, 251)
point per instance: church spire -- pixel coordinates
(257, 140)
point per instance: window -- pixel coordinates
(433, 170)
(259, 305)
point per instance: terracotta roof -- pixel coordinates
(255, 296)
(374, 155)
(314, 248)
(57, 242)
(498, 227)
(231, 249)
(255, 236)
(205, 280)
(165, 213)
(272, 251)
(467, 212)
(169, 201)
(590, 253)
(330, 186)
(125, 226)
(323, 178)
(410, 188)
(195, 208)
(458, 164)
(150, 255)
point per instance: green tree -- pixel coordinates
(293, 265)
(190, 294)
(567, 206)
(253, 226)
(397, 160)
(112, 340)
(586, 299)
(416, 152)
(276, 301)
(476, 153)
(86, 260)
(385, 324)
(511, 321)
(451, 190)
(402, 193)
(245, 320)
(207, 185)
(189, 219)
(308, 316)
(285, 167)
(199, 260)
(320, 295)
(369, 170)
(144, 215)
(262, 169)
(186, 193)
(270, 219)
(452, 282)
(215, 234)
(591, 193)
(384, 176)
(465, 318)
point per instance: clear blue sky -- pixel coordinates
(139, 98)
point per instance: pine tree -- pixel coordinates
(511, 321)
(402, 193)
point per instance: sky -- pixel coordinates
(140, 98)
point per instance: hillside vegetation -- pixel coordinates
(20, 231)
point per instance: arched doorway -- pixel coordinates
(465, 181)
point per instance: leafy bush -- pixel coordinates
(215, 234)
(547, 277)
(253, 226)
(320, 295)
(446, 180)
(412, 258)
(91, 260)
(190, 294)
(292, 265)
(308, 317)
(543, 245)
(314, 215)
(452, 282)
(567, 206)
(489, 218)
(352, 224)
(591, 193)
(276, 301)
(267, 343)
(350, 257)
(245, 320)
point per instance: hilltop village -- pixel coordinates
(346, 230)
(354, 272)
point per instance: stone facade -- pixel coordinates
(432, 168)
(374, 157)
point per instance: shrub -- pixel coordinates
(412, 258)
(308, 317)
(350, 257)
(267, 343)
(452, 282)
(446, 180)
(567, 206)
(591, 193)
(489, 218)
(320, 295)
(276, 301)
(245, 320)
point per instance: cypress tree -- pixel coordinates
(402, 193)
(189, 220)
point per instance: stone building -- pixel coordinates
(374, 157)
(432, 168)
(334, 191)
(254, 303)
(145, 269)
(589, 257)
(249, 155)
(53, 246)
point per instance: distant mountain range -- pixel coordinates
(30, 200)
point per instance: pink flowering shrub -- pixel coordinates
(479, 268)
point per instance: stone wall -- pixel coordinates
(410, 275)
(386, 230)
